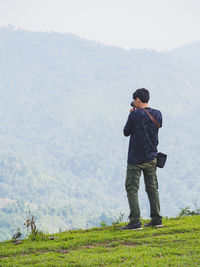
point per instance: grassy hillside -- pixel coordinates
(176, 244)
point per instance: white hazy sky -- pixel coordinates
(157, 24)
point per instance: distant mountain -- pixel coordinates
(189, 54)
(64, 102)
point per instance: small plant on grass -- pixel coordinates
(188, 212)
(38, 237)
(32, 230)
(103, 224)
(30, 224)
(119, 220)
(17, 236)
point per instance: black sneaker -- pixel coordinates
(155, 223)
(132, 226)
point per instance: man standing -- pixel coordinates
(142, 154)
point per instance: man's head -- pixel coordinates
(141, 97)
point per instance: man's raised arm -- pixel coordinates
(128, 128)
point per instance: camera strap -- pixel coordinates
(152, 118)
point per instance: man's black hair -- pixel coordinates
(142, 94)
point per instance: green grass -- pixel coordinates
(176, 244)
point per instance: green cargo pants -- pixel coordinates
(151, 186)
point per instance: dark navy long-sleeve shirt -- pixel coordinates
(143, 135)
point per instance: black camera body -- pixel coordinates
(132, 104)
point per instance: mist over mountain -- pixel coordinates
(64, 102)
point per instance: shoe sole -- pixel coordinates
(137, 229)
(158, 226)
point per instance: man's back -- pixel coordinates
(143, 135)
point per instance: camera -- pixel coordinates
(132, 104)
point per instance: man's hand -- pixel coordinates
(132, 109)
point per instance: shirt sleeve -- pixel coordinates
(161, 121)
(128, 128)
